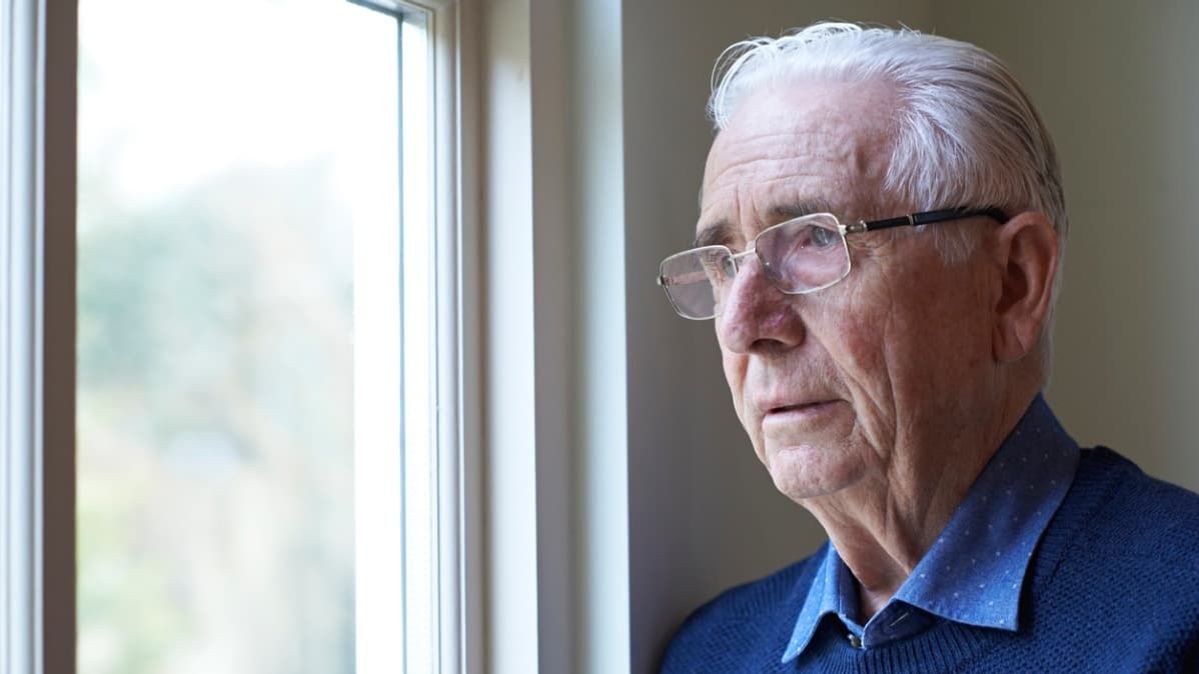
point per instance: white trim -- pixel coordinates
(513, 469)
(456, 563)
(459, 182)
(449, 525)
(20, 335)
(601, 471)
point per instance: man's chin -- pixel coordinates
(810, 470)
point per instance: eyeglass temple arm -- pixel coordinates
(927, 218)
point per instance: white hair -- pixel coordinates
(966, 133)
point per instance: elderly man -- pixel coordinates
(879, 243)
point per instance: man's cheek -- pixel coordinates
(734, 373)
(858, 345)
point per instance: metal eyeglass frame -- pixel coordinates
(859, 227)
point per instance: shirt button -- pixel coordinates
(854, 640)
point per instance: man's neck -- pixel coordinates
(883, 527)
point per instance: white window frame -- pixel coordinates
(457, 586)
(37, 339)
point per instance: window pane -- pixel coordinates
(239, 331)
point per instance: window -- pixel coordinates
(266, 346)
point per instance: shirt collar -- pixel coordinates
(824, 597)
(973, 572)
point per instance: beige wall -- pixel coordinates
(1119, 91)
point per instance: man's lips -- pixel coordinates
(813, 406)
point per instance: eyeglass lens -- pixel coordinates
(797, 256)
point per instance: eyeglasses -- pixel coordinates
(798, 256)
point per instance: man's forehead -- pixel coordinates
(815, 143)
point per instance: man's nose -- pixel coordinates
(755, 313)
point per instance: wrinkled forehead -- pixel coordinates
(814, 143)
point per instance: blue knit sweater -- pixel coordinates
(1113, 587)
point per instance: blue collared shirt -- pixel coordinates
(974, 571)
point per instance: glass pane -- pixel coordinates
(239, 325)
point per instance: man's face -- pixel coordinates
(861, 385)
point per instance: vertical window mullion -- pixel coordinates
(18, 509)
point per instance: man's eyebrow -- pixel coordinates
(721, 232)
(799, 209)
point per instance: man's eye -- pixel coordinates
(817, 237)
(716, 266)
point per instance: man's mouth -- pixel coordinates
(800, 408)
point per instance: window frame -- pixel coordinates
(38, 622)
(457, 550)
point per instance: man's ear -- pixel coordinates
(1027, 252)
